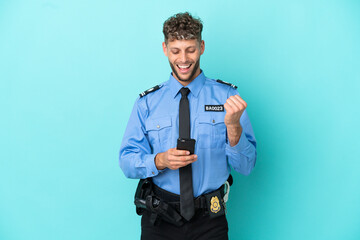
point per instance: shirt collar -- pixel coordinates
(195, 86)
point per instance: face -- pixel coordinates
(184, 58)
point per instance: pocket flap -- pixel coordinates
(158, 123)
(211, 119)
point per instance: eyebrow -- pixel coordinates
(175, 48)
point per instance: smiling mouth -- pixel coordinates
(184, 68)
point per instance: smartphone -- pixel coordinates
(186, 144)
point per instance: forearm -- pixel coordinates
(242, 156)
(138, 165)
(241, 151)
(234, 133)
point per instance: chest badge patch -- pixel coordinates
(214, 108)
(215, 204)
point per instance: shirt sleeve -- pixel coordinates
(242, 156)
(136, 158)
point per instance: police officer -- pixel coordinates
(218, 123)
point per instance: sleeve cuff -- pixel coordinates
(150, 165)
(240, 146)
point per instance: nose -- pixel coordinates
(183, 57)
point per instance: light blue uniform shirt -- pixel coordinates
(153, 127)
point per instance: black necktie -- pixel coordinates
(186, 189)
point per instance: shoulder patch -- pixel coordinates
(153, 89)
(226, 83)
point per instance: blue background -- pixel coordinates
(70, 72)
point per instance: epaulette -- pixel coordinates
(153, 89)
(229, 84)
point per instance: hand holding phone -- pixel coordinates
(174, 159)
(186, 144)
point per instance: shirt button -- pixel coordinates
(153, 173)
(158, 126)
(213, 121)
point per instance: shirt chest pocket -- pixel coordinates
(159, 132)
(211, 131)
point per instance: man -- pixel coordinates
(190, 106)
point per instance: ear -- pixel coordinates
(164, 48)
(202, 47)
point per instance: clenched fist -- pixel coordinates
(234, 107)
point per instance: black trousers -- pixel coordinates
(200, 227)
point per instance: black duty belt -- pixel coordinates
(174, 199)
(166, 205)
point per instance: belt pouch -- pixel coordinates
(214, 204)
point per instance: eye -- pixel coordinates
(175, 52)
(191, 50)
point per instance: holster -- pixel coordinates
(146, 200)
(143, 190)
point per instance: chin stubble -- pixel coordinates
(197, 64)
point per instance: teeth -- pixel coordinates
(183, 66)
